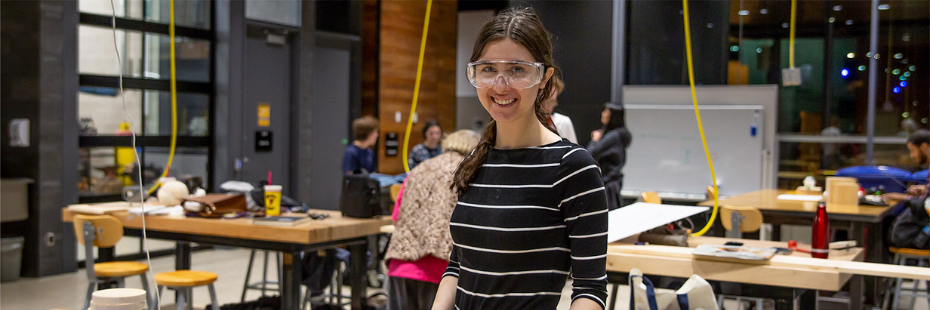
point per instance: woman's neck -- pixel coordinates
(431, 145)
(523, 133)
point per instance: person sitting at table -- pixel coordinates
(359, 157)
(910, 229)
(432, 136)
(422, 242)
(918, 147)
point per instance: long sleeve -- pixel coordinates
(584, 208)
(349, 161)
(608, 145)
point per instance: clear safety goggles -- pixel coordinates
(517, 74)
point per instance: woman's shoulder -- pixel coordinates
(575, 156)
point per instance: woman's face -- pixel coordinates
(605, 116)
(506, 104)
(433, 135)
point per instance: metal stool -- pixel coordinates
(184, 281)
(263, 285)
(901, 256)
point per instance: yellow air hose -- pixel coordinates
(697, 114)
(174, 100)
(416, 87)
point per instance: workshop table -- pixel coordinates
(290, 240)
(866, 224)
(785, 284)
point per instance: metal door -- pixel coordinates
(267, 91)
(330, 120)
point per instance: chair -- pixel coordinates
(739, 219)
(901, 257)
(184, 281)
(711, 193)
(651, 197)
(104, 231)
(263, 285)
(395, 190)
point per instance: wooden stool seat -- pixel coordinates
(119, 269)
(909, 252)
(185, 278)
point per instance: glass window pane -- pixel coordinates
(96, 54)
(797, 160)
(188, 162)
(104, 170)
(124, 8)
(192, 112)
(100, 111)
(192, 58)
(190, 13)
(286, 12)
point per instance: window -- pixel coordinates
(107, 159)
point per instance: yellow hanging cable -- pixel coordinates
(697, 114)
(794, 16)
(416, 86)
(174, 98)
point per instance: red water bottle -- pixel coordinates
(820, 237)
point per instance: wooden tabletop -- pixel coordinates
(802, 272)
(335, 227)
(767, 201)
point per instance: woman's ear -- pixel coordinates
(549, 72)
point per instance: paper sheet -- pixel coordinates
(641, 216)
(814, 198)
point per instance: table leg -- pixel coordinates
(776, 232)
(290, 284)
(856, 286)
(357, 262)
(805, 299)
(182, 261)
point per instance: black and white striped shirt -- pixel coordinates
(529, 217)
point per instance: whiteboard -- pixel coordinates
(667, 155)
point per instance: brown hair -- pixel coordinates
(522, 26)
(364, 126)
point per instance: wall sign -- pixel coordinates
(263, 139)
(264, 114)
(390, 144)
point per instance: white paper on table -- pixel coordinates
(813, 198)
(641, 216)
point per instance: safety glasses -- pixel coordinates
(516, 74)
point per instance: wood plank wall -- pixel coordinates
(401, 31)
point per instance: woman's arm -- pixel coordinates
(445, 296)
(583, 304)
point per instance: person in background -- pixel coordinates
(910, 229)
(432, 135)
(421, 242)
(608, 147)
(531, 209)
(562, 123)
(359, 157)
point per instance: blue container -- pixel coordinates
(919, 177)
(892, 179)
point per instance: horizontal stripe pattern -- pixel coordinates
(531, 218)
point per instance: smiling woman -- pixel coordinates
(531, 207)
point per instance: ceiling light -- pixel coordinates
(851, 55)
(898, 56)
(832, 20)
(849, 22)
(912, 68)
(883, 7)
(837, 8)
(764, 11)
(743, 12)
(784, 25)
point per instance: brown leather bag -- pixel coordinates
(216, 205)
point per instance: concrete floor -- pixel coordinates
(66, 291)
